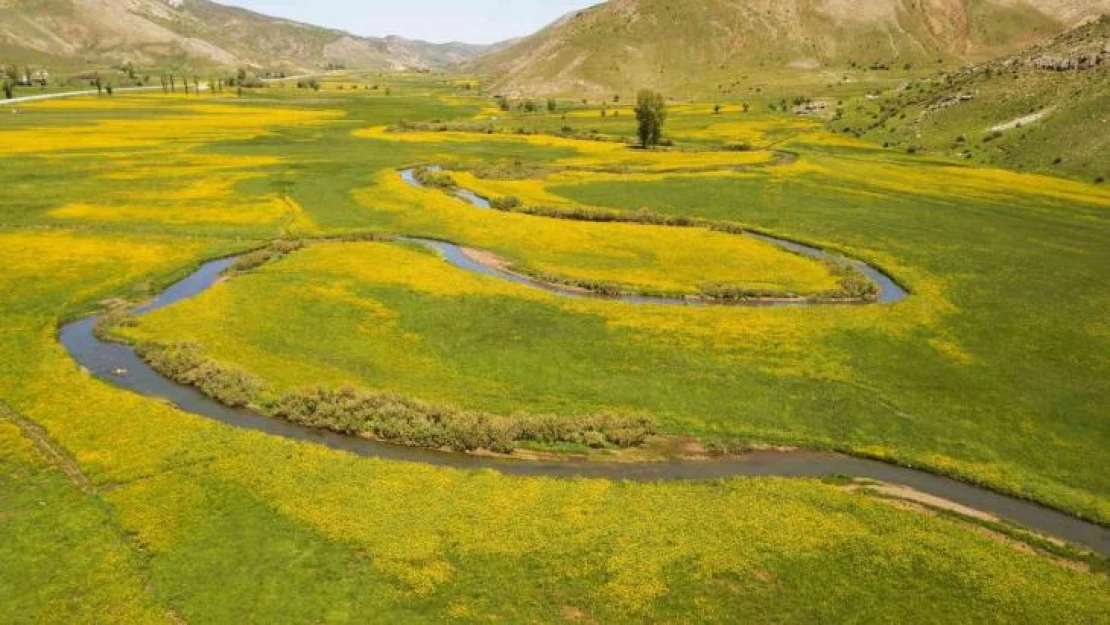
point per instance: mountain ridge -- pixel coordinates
(199, 33)
(621, 45)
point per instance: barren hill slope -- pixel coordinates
(198, 32)
(692, 45)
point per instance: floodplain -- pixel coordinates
(994, 370)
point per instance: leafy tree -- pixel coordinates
(552, 105)
(9, 89)
(651, 113)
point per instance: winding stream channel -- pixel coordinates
(890, 292)
(104, 360)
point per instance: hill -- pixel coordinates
(73, 33)
(1044, 109)
(698, 47)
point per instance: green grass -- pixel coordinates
(209, 523)
(63, 556)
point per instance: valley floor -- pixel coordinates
(119, 508)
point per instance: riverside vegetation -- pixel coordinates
(149, 514)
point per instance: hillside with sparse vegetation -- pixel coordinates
(729, 47)
(1043, 110)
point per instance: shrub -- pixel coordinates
(508, 170)
(507, 203)
(409, 422)
(118, 318)
(254, 260)
(185, 363)
(434, 178)
(723, 292)
(853, 284)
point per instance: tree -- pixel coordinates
(9, 89)
(651, 113)
(552, 105)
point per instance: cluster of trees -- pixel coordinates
(169, 84)
(11, 77)
(309, 83)
(528, 105)
(651, 113)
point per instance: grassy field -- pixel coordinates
(143, 513)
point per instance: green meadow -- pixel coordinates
(119, 508)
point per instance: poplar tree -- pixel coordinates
(651, 113)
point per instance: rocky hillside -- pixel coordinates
(1046, 109)
(195, 32)
(695, 46)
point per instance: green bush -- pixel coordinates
(389, 417)
(254, 260)
(853, 284)
(185, 363)
(507, 203)
(409, 422)
(118, 318)
(434, 178)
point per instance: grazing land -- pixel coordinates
(994, 370)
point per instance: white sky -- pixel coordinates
(471, 21)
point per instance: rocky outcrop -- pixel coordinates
(1055, 64)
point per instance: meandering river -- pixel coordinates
(119, 365)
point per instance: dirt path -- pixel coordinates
(70, 94)
(73, 94)
(53, 452)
